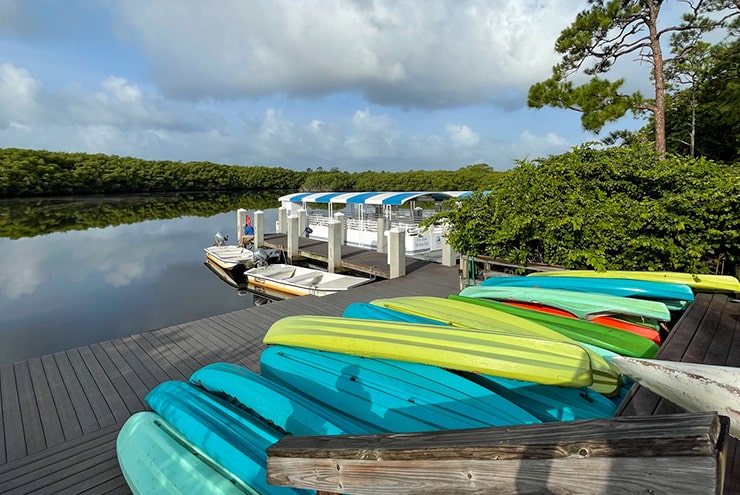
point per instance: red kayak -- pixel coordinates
(608, 321)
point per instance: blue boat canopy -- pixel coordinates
(396, 198)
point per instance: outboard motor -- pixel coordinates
(260, 257)
(219, 239)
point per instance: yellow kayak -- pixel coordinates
(528, 358)
(465, 315)
(697, 281)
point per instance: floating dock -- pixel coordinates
(61, 412)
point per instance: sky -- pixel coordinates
(353, 84)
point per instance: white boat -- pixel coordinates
(229, 257)
(403, 211)
(301, 281)
(695, 387)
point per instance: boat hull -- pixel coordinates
(512, 356)
(698, 282)
(695, 387)
(390, 395)
(155, 458)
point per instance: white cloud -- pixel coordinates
(19, 95)
(425, 53)
(462, 135)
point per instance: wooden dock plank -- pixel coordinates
(184, 364)
(156, 355)
(53, 433)
(80, 400)
(30, 415)
(64, 404)
(15, 440)
(122, 389)
(112, 396)
(94, 395)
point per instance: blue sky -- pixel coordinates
(353, 84)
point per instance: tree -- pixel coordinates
(607, 31)
(707, 112)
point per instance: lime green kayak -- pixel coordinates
(697, 281)
(586, 332)
(534, 359)
(461, 314)
(582, 304)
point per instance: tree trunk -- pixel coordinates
(660, 144)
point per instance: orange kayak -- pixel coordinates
(608, 321)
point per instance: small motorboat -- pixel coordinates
(301, 281)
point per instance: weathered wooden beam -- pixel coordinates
(682, 453)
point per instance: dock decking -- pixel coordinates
(61, 412)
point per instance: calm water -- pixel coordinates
(65, 289)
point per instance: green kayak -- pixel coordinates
(584, 305)
(618, 341)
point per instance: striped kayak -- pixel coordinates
(697, 281)
(478, 317)
(235, 439)
(545, 402)
(585, 306)
(155, 458)
(619, 341)
(279, 405)
(675, 296)
(607, 321)
(392, 396)
(503, 354)
(695, 387)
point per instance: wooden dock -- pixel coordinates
(354, 259)
(60, 413)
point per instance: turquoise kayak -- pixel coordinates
(155, 458)
(697, 281)
(585, 332)
(675, 296)
(584, 305)
(545, 402)
(235, 439)
(279, 405)
(392, 396)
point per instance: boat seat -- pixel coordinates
(311, 278)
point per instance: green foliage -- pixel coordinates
(618, 208)
(715, 100)
(37, 216)
(612, 29)
(46, 173)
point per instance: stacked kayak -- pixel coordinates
(523, 357)
(584, 305)
(698, 282)
(675, 296)
(545, 402)
(460, 314)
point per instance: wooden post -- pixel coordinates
(339, 217)
(664, 454)
(241, 219)
(282, 220)
(382, 244)
(397, 252)
(335, 246)
(302, 222)
(449, 257)
(292, 238)
(259, 228)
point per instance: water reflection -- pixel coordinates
(64, 289)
